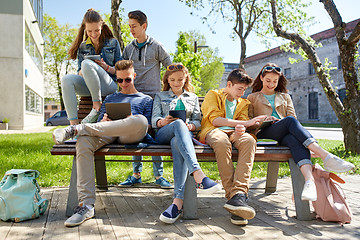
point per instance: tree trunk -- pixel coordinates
(115, 21)
(347, 113)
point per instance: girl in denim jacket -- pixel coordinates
(177, 95)
(95, 78)
(270, 98)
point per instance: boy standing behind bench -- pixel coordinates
(92, 136)
(225, 118)
(147, 54)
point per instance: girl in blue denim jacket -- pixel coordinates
(95, 78)
(177, 95)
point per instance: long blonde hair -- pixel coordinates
(91, 16)
(187, 86)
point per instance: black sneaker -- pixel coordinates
(237, 205)
(236, 220)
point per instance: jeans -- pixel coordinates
(91, 137)
(95, 82)
(289, 132)
(158, 167)
(182, 149)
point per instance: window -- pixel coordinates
(287, 73)
(54, 107)
(37, 6)
(311, 69)
(32, 49)
(45, 107)
(342, 94)
(313, 105)
(34, 102)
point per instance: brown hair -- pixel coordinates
(91, 16)
(124, 65)
(187, 86)
(239, 76)
(139, 16)
(258, 85)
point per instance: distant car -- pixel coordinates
(59, 118)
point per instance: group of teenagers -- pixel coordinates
(222, 122)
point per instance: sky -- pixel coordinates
(168, 17)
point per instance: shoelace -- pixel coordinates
(80, 210)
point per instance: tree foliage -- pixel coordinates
(205, 66)
(248, 16)
(57, 39)
(347, 112)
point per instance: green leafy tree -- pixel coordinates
(193, 61)
(212, 68)
(247, 16)
(347, 112)
(57, 39)
(125, 29)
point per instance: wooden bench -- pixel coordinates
(273, 155)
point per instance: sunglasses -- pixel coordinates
(174, 67)
(120, 80)
(270, 68)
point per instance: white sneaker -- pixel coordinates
(336, 164)
(60, 135)
(81, 214)
(91, 117)
(309, 192)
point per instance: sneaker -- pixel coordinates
(60, 135)
(208, 186)
(236, 220)
(171, 214)
(163, 183)
(92, 117)
(81, 214)
(336, 164)
(238, 206)
(309, 191)
(130, 181)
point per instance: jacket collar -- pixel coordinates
(171, 93)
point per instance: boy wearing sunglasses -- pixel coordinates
(147, 54)
(225, 118)
(92, 136)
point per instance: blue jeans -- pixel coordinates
(95, 82)
(180, 138)
(289, 132)
(158, 167)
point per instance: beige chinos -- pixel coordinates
(91, 137)
(233, 180)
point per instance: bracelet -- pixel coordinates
(107, 68)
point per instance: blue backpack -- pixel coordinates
(19, 196)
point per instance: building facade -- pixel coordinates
(21, 63)
(310, 101)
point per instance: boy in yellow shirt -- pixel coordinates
(225, 118)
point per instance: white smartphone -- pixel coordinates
(93, 57)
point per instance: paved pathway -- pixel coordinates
(133, 213)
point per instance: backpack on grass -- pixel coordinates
(19, 196)
(330, 205)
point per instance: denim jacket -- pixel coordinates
(166, 101)
(110, 52)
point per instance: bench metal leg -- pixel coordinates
(271, 177)
(190, 198)
(297, 179)
(100, 171)
(72, 201)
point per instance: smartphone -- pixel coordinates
(93, 57)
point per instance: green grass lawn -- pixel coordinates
(32, 151)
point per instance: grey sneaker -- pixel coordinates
(336, 164)
(238, 206)
(60, 135)
(91, 117)
(81, 214)
(236, 220)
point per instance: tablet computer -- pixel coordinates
(117, 111)
(93, 57)
(266, 124)
(178, 114)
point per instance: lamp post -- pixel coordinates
(200, 46)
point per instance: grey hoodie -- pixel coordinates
(147, 61)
